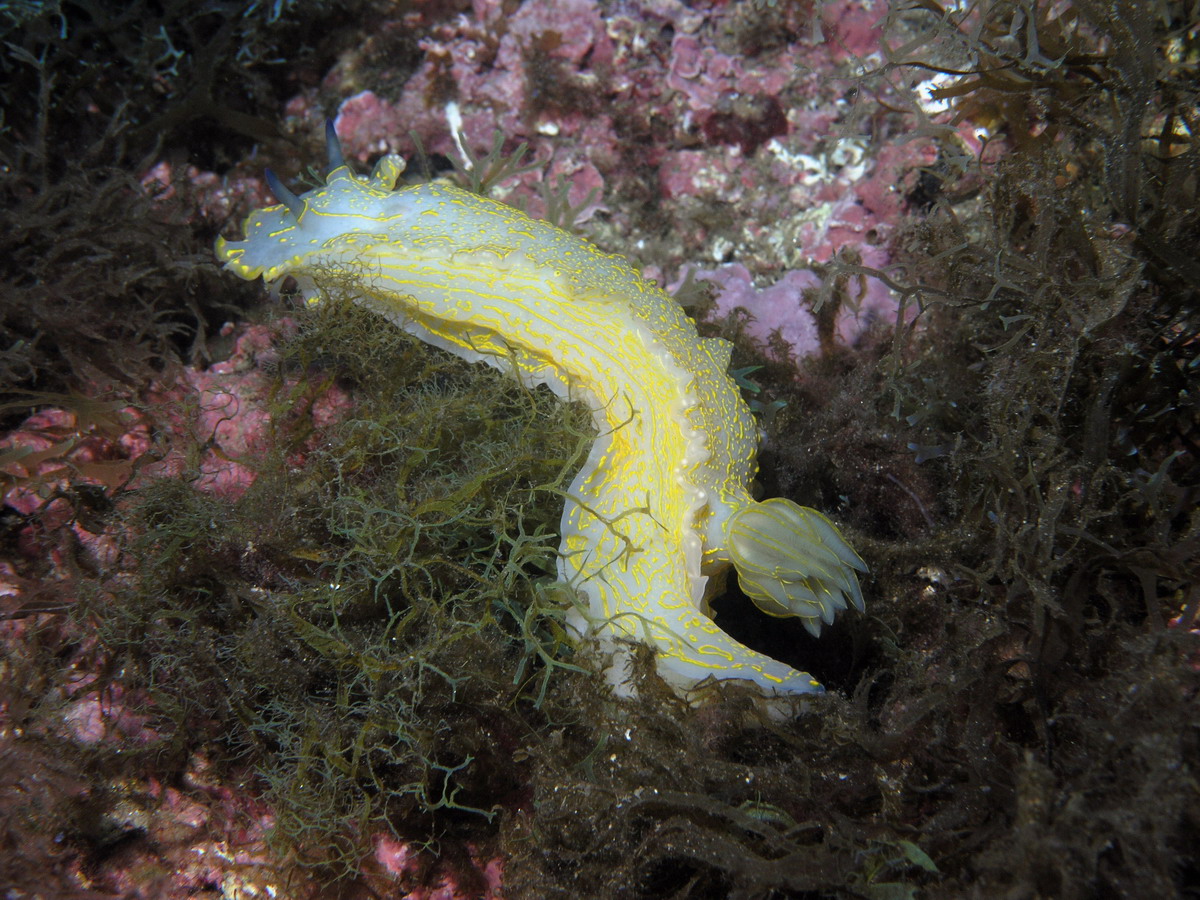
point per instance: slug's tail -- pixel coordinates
(791, 561)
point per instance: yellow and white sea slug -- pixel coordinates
(661, 504)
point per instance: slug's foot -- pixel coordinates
(791, 561)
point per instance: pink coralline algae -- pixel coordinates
(782, 307)
(487, 64)
(223, 409)
(205, 425)
(403, 861)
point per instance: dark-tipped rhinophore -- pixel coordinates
(333, 147)
(284, 194)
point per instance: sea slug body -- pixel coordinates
(661, 505)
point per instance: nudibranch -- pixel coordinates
(661, 505)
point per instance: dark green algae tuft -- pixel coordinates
(370, 628)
